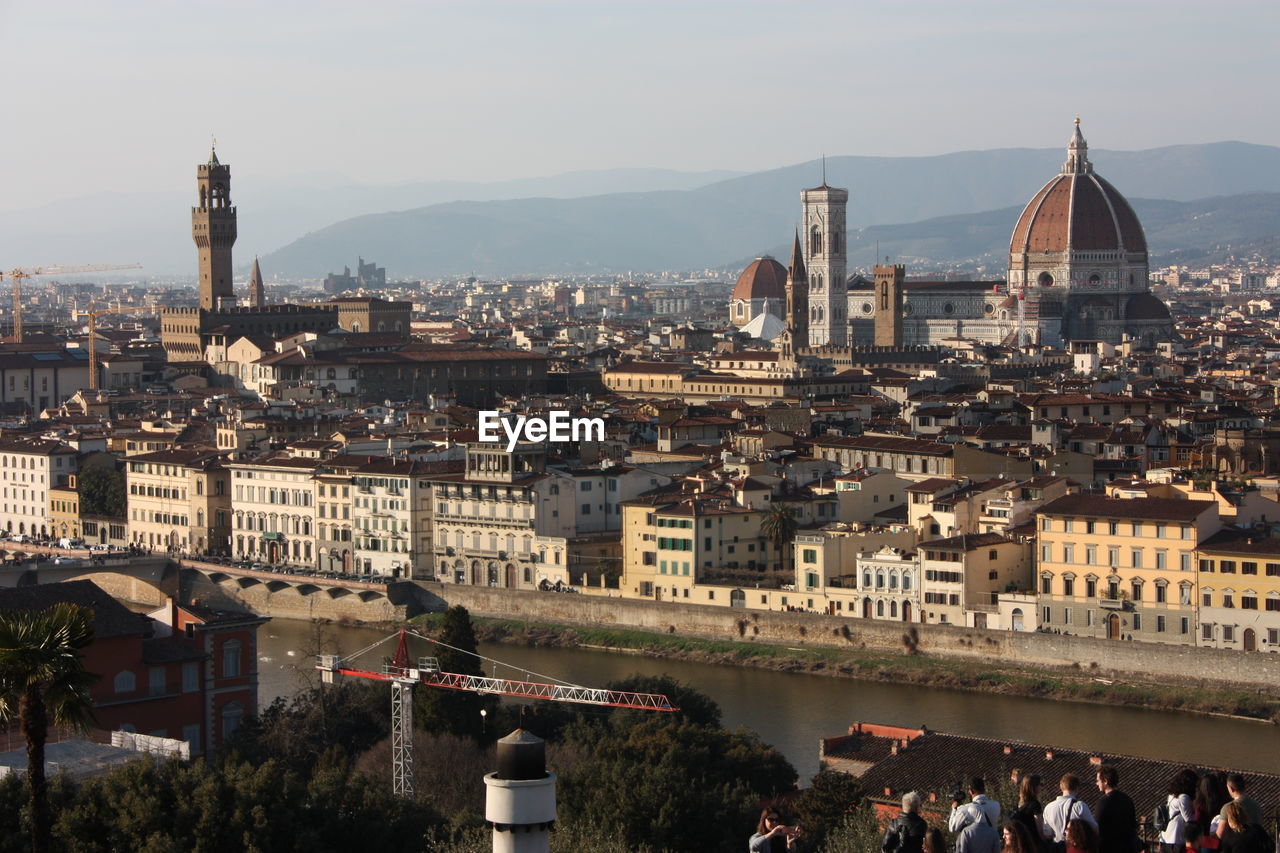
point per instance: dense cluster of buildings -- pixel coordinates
(1086, 447)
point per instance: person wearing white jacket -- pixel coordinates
(1181, 811)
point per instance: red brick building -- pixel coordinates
(183, 672)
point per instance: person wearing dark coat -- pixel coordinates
(1117, 818)
(906, 831)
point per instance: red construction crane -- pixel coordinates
(402, 677)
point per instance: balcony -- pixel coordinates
(1115, 604)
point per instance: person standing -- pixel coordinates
(980, 807)
(1182, 787)
(1082, 837)
(772, 835)
(1066, 808)
(1117, 818)
(906, 831)
(1030, 813)
(1242, 835)
(976, 834)
(1236, 787)
(934, 842)
(1017, 839)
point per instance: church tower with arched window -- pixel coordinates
(825, 262)
(213, 228)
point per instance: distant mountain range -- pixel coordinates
(963, 205)
(958, 207)
(155, 228)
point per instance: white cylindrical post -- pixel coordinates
(520, 797)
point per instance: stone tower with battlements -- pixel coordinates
(825, 262)
(889, 280)
(213, 228)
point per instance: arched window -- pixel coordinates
(879, 608)
(893, 609)
(815, 241)
(124, 682)
(879, 580)
(906, 580)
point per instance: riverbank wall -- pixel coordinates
(1149, 661)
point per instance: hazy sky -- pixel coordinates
(109, 96)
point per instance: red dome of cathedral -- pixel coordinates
(1078, 211)
(764, 278)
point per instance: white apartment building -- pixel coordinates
(273, 510)
(28, 469)
(391, 518)
(889, 580)
(601, 492)
(504, 520)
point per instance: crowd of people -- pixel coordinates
(1209, 813)
(1201, 814)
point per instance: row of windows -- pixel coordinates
(1114, 557)
(941, 598)
(683, 523)
(666, 543)
(126, 682)
(893, 579)
(944, 577)
(1160, 529)
(677, 568)
(1248, 599)
(157, 492)
(265, 494)
(1113, 588)
(1092, 621)
(147, 515)
(1228, 567)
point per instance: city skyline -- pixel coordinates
(504, 91)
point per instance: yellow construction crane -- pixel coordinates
(19, 273)
(93, 336)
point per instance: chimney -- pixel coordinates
(1048, 755)
(893, 750)
(1095, 760)
(888, 792)
(1008, 750)
(520, 797)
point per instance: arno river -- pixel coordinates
(792, 711)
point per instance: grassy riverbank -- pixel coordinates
(982, 676)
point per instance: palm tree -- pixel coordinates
(779, 527)
(43, 680)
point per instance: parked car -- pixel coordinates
(100, 548)
(22, 539)
(65, 561)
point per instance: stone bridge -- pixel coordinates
(296, 596)
(150, 580)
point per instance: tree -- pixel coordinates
(689, 784)
(824, 805)
(43, 679)
(779, 527)
(102, 491)
(456, 711)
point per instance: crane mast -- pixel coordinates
(403, 676)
